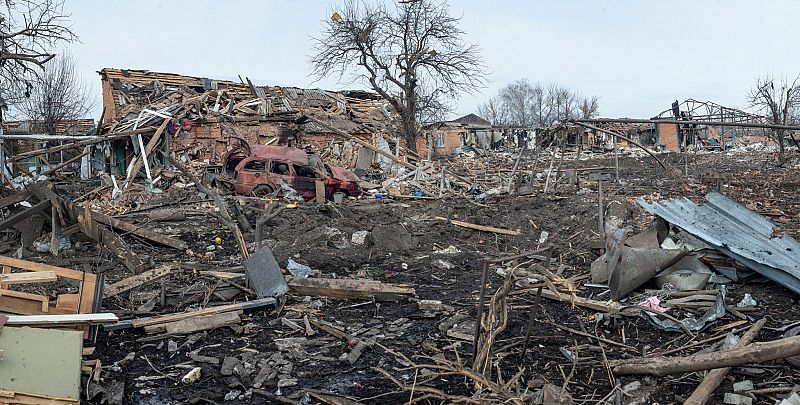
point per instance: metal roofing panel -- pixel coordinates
(736, 231)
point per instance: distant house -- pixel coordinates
(442, 138)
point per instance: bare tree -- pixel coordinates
(57, 95)
(411, 53)
(518, 99)
(535, 105)
(778, 101)
(495, 111)
(29, 29)
(589, 107)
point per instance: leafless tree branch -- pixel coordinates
(29, 30)
(57, 95)
(412, 54)
(779, 101)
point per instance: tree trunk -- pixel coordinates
(409, 124)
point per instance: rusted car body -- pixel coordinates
(260, 169)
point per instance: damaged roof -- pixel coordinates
(127, 92)
(736, 231)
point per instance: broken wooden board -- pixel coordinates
(28, 278)
(109, 240)
(201, 323)
(88, 281)
(21, 216)
(26, 398)
(139, 231)
(15, 198)
(142, 322)
(477, 227)
(135, 281)
(349, 289)
(586, 302)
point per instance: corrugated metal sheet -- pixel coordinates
(736, 231)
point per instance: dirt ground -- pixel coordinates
(265, 360)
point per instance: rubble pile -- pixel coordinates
(220, 242)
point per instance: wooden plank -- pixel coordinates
(480, 227)
(201, 323)
(142, 322)
(58, 320)
(586, 302)
(21, 216)
(22, 303)
(138, 231)
(349, 288)
(28, 278)
(319, 190)
(6, 270)
(135, 281)
(22, 398)
(714, 377)
(68, 302)
(35, 266)
(15, 198)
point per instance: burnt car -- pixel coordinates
(259, 170)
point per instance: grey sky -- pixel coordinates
(636, 55)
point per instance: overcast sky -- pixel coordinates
(637, 55)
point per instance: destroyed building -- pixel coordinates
(444, 137)
(584, 270)
(213, 117)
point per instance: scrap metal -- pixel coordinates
(736, 231)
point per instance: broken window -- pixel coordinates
(303, 171)
(256, 165)
(280, 168)
(440, 140)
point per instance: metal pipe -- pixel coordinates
(691, 122)
(623, 137)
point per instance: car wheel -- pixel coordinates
(262, 191)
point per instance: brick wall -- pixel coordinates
(668, 136)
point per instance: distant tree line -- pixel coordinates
(526, 104)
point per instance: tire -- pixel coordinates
(262, 191)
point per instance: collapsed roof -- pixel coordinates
(137, 98)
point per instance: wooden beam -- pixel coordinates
(135, 281)
(139, 231)
(586, 302)
(142, 322)
(120, 135)
(480, 227)
(201, 323)
(752, 353)
(58, 167)
(714, 377)
(349, 288)
(21, 216)
(35, 266)
(15, 198)
(28, 278)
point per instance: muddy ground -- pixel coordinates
(407, 245)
